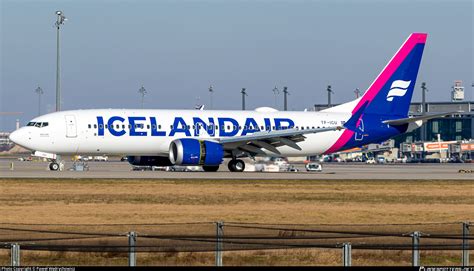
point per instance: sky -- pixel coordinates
(177, 49)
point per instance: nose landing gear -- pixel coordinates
(236, 165)
(54, 166)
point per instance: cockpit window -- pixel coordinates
(38, 124)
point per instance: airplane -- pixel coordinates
(206, 137)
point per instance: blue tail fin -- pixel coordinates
(392, 90)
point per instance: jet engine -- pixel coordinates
(190, 151)
(158, 161)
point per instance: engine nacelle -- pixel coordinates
(190, 151)
(158, 161)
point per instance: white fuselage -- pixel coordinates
(150, 132)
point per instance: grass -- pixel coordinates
(129, 201)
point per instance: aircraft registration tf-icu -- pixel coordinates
(205, 137)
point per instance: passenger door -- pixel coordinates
(71, 127)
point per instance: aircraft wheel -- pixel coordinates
(54, 166)
(210, 168)
(230, 165)
(236, 165)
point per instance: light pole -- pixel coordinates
(211, 91)
(276, 92)
(329, 90)
(40, 92)
(60, 21)
(142, 91)
(357, 92)
(424, 89)
(285, 101)
(244, 93)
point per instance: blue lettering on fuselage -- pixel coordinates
(224, 123)
(179, 126)
(100, 125)
(134, 124)
(225, 127)
(112, 130)
(209, 127)
(278, 123)
(250, 126)
(154, 128)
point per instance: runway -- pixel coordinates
(331, 171)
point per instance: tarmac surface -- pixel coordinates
(336, 171)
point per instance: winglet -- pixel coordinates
(352, 123)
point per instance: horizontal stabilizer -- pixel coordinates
(414, 119)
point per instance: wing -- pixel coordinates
(269, 140)
(254, 143)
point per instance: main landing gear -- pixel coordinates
(236, 165)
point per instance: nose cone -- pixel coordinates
(19, 137)
(14, 136)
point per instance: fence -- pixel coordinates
(232, 236)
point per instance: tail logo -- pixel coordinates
(398, 89)
(359, 133)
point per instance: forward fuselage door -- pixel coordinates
(71, 127)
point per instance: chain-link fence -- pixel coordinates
(220, 237)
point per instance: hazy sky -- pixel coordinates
(176, 49)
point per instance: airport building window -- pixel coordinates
(435, 127)
(458, 126)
